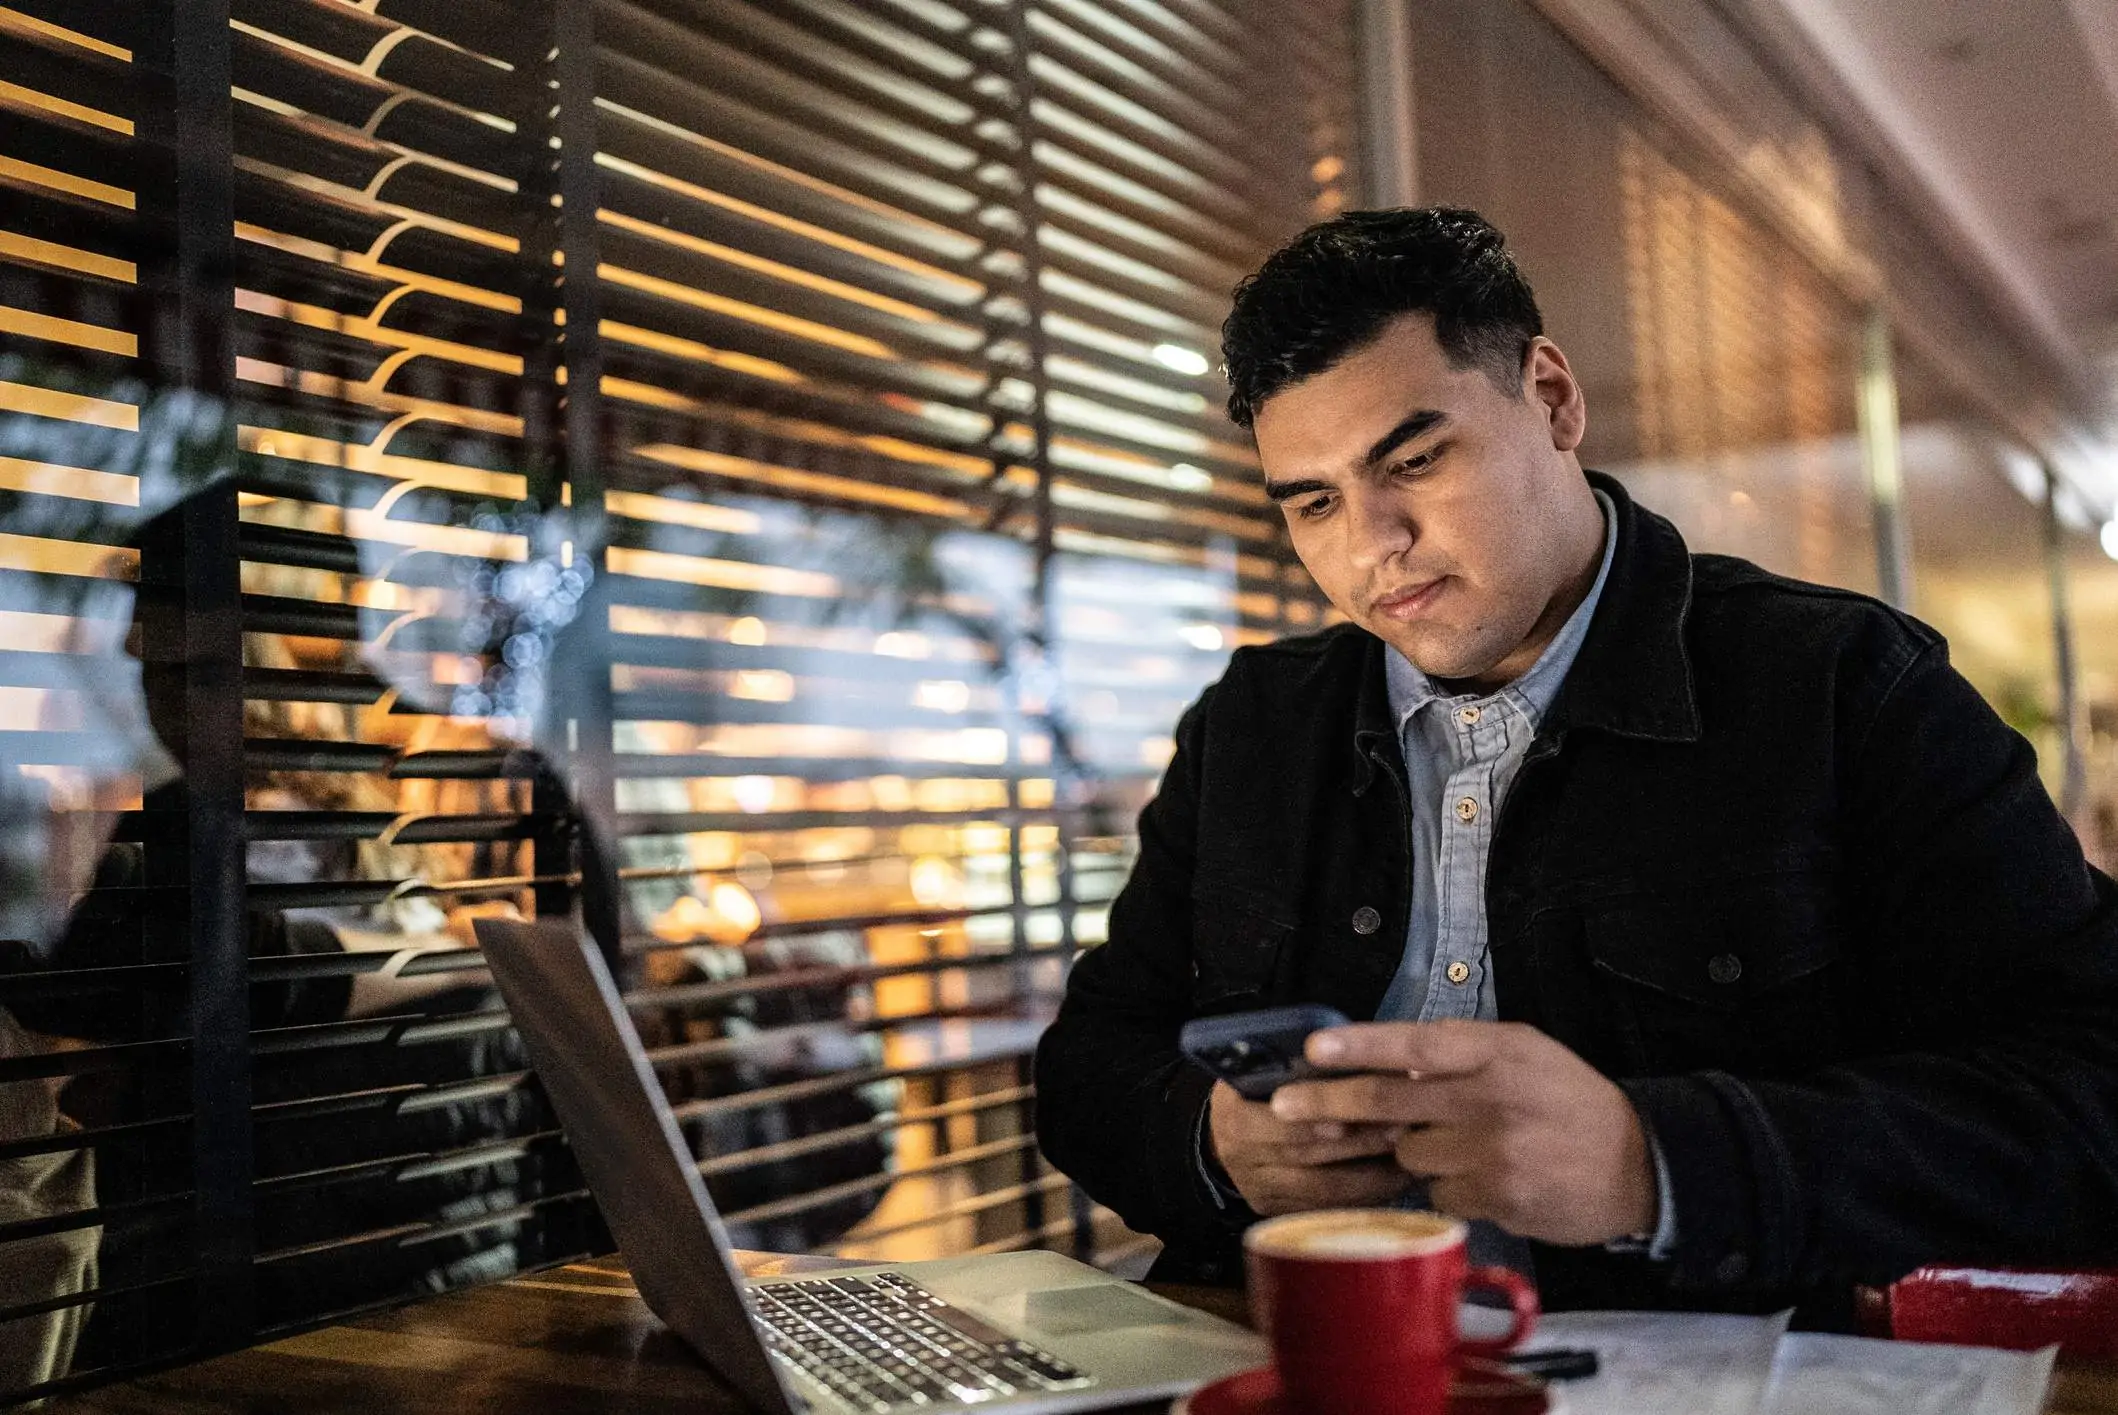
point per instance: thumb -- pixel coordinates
(1452, 1048)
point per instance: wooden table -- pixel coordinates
(572, 1341)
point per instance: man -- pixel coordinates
(1720, 941)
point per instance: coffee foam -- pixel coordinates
(1355, 1234)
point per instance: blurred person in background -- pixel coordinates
(37, 1187)
(784, 1007)
(54, 825)
(90, 892)
(104, 929)
(1715, 944)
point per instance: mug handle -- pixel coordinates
(1522, 1300)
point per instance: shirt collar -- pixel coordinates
(1410, 690)
(1633, 677)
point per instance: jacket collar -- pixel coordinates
(1633, 675)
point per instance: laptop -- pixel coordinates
(1029, 1331)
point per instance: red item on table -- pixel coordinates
(2020, 1309)
(1360, 1307)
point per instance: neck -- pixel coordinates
(1585, 555)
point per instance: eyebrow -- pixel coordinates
(1412, 425)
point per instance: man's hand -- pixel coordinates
(1284, 1168)
(1508, 1124)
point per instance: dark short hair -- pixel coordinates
(1328, 293)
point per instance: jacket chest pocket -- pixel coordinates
(1746, 976)
(1238, 954)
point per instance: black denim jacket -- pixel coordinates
(1771, 864)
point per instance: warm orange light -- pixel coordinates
(15, 169)
(695, 352)
(69, 407)
(969, 289)
(17, 96)
(368, 263)
(741, 309)
(776, 269)
(733, 913)
(368, 457)
(13, 19)
(80, 483)
(799, 479)
(61, 557)
(28, 250)
(28, 324)
(763, 685)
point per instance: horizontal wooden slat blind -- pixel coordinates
(931, 272)
(831, 380)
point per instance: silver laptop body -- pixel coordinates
(1030, 1331)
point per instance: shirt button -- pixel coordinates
(1466, 809)
(1724, 968)
(1366, 920)
(1470, 715)
(1459, 971)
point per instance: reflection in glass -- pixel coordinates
(830, 635)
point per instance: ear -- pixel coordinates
(1549, 383)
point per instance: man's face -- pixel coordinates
(1437, 510)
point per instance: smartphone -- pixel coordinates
(1257, 1052)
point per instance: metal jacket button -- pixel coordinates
(1366, 920)
(1724, 968)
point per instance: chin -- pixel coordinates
(1440, 656)
(1435, 659)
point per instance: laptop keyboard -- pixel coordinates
(883, 1342)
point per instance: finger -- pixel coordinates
(1363, 1142)
(1310, 1132)
(1370, 1099)
(1254, 1122)
(1374, 1098)
(1353, 1185)
(1452, 1048)
(1439, 1152)
(1264, 1130)
(1370, 1139)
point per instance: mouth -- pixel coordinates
(1408, 602)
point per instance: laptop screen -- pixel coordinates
(589, 1058)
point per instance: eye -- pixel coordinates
(1414, 466)
(1312, 510)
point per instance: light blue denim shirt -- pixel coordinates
(1462, 752)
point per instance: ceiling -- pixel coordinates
(2000, 119)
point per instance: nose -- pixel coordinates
(1377, 528)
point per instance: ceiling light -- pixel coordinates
(1204, 637)
(1183, 360)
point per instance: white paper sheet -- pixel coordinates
(1666, 1363)
(1844, 1375)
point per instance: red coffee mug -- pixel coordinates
(1360, 1308)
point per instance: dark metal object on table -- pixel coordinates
(1560, 1363)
